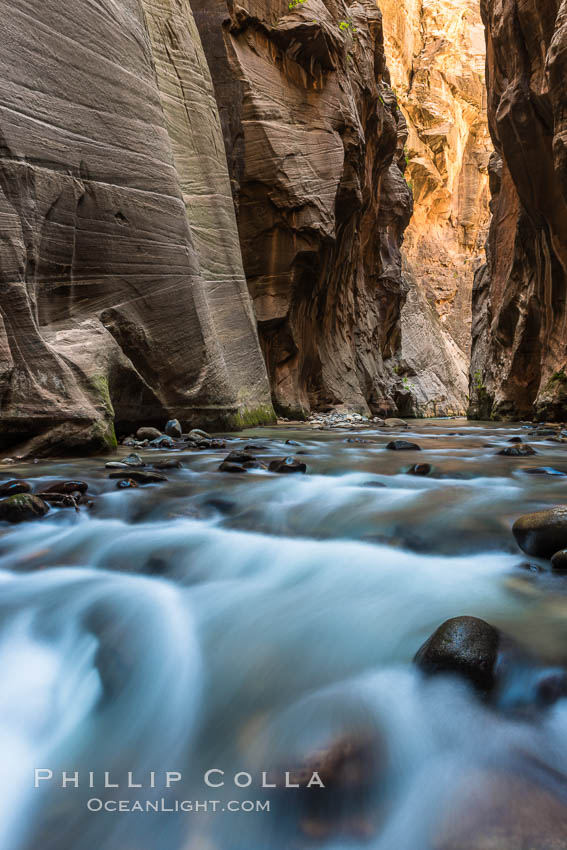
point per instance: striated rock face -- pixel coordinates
(435, 51)
(519, 331)
(123, 295)
(314, 140)
(432, 368)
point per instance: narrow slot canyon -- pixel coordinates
(283, 424)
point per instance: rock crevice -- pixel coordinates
(519, 330)
(436, 55)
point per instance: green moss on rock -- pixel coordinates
(253, 416)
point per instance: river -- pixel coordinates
(239, 623)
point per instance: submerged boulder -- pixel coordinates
(12, 488)
(127, 484)
(467, 646)
(419, 469)
(22, 507)
(67, 487)
(542, 533)
(287, 465)
(403, 446)
(231, 466)
(517, 451)
(139, 475)
(168, 464)
(490, 810)
(198, 434)
(239, 457)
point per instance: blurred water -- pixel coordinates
(243, 622)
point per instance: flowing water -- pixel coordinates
(240, 623)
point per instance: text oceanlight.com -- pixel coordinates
(172, 806)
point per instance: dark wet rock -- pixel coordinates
(545, 432)
(254, 448)
(551, 686)
(395, 423)
(499, 811)
(62, 500)
(13, 488)
(528, 567)
(167, 464)
(403, 446)
(197, 434)
(350, 769)
(231, 466)
(466, 646)
(287, 465)
(517, 451)
(238, 456)
(559, 561)
(22, 507)
(224, 506)
(218, 444)
(69, 487)
(543, 470)
(542, 533)
(254, 464)
(173, 428)
(376, 485)
(346, 763)
(127, 484)
(132, 460)
(162, 442)
(292, 443)
(139, 475)
(148, 434)
(515, 440)
(419, 469)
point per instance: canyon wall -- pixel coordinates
(435, 51)
(519, 310)
(123, 298)
(315, 140)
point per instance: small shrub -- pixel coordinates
(347, 26)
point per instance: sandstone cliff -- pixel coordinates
(519, 332)
(435, 51)
(123, 295)
(315, 139)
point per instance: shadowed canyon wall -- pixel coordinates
(315, 143)
(435, 51)
(519, 310)
(123, 297)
